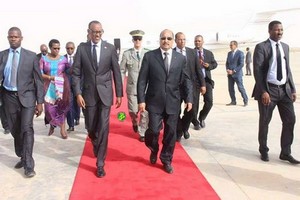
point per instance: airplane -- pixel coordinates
(247, 33)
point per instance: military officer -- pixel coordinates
(130, 65)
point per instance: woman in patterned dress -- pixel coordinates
(57, 88)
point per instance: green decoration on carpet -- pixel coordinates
(121, 116)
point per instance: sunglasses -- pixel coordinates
(166, 38)
(137, 38)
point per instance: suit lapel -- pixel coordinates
(160, 59)
(89, 52)
(103, 53)
(173, 61)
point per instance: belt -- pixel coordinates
(11, 92)
(277, 86)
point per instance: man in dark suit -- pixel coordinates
(207, 63)
(162, 72)
(96, 62)
(23, 96)
(73, 114)
(198, 82)
(274, 86)
(43, 51)
(234, 65)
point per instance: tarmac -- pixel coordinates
(225, 151)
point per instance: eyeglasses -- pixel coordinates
(56, 48)
(96, 32)
(135, 38)
(166, 38)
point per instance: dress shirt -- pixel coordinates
(272, 73)
(7, 69)
(169, 55)
(98, 49)
(182, 51)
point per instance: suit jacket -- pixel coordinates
(235, 62)
(261, 59)
(193, 65)
(131, 64)
(97, 80)
(30, 83)
(160, 90)
(210, 59)
(248, 57)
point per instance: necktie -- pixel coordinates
(14, 67)
(138, 55)
(166, 61)
(201, 55)
(95, 55)
(279, 64)
(70, 60)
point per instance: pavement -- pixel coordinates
(225, 151)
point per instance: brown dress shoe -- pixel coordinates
(51, 130)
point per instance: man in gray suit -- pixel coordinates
(131, 64)
(274, 86)
(162, 72)
(234, 65)
(96, 62)
(248, 61)
(23, 96)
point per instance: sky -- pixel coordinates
(41, 21)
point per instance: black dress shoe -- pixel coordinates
(168, 168)
(197, 127)
(135, 128)
(142, 139)
(153, 157)
(264, 157)
(202, 123)
(70, 129)
(29, 173)
(231, 104)
(76, 122)
(100, 172)
(6, 131)
(186, 134)
(289, 158)
(19, 165)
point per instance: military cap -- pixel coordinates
(137, 33)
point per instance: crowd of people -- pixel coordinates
(158, 82)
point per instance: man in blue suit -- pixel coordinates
(234, 65)
(163, 71)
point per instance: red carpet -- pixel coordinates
(129, 174)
